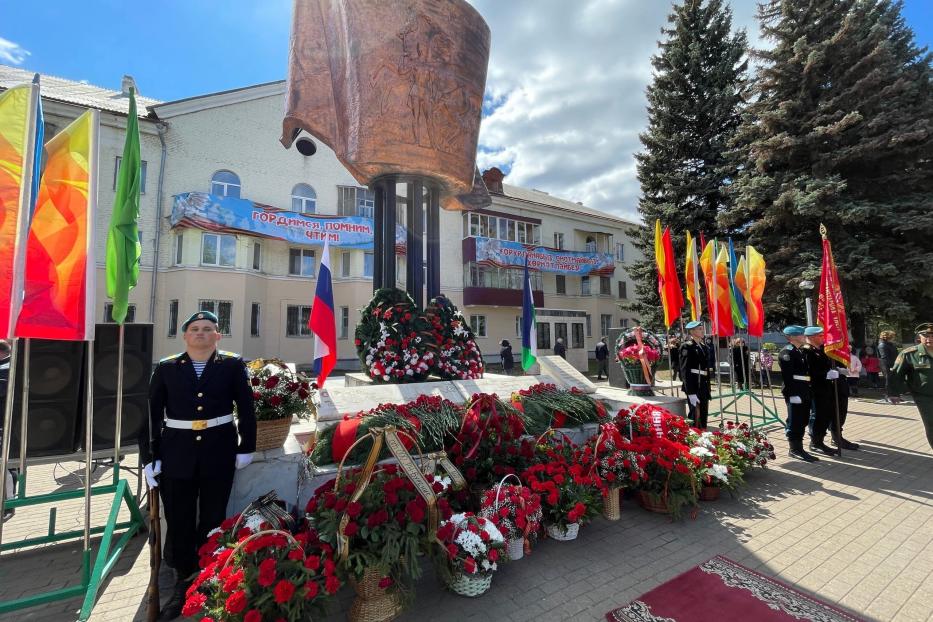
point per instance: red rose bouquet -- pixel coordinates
(570, 492)
(671, 470)
(516, 512)
(651, 420)
(277, 392)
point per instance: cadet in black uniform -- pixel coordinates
(195, 444)
(823, 376)
(695, 374)
(796, 391)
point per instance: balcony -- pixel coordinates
(498, 297)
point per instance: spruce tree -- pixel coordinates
(694, 106)
(840, 133)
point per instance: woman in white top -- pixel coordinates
(855, 371)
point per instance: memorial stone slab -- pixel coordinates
(565, 375)
(501, 385)
(616, 399)
(339, 401)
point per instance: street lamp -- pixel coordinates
(807, 286)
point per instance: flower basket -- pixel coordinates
(612, 506)
(563, 535)
(652, 503)
(472, 586)
(516, 512)
(632, 347)
(515, 548)
(635, 377)
(709, 493)
(271, 434)
(373, 603)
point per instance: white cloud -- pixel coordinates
(12, 53)
(567, 82)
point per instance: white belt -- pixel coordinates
(804, 378)
(698, 371)
(198, 424)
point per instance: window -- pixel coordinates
(544, 335)
(344, 322)
(353, 201)
(622, 290)
(179, 247)
(559, 241)
(478, 275)
(605, 323)
(561, 282)
(620, 251)
(605, 286)
(304, 199)
(257, 256)
(584, 286)
(254, 320)
(589, 326)
(218, 250)
(172, 318)
(560, 332)
(296, 320)
(116, 173)
(478, 325)
(590, 244)
(301, 262)
(368, 264)
(577, 334)
(225, 184)
(623, 322)
(223, 309)
(345, 264)
(130, 313)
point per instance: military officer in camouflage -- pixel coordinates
(913, 372)
(194, 442)
(796, 390)
(695, 374)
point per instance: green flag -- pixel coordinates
(123, 248)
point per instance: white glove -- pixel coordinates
(243, 460)
(832, 374)
(152, 470)
(694, 400)
(795, 399)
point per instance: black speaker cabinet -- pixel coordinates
(137, 368)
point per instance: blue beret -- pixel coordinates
(200, 315)
(813, 330)
(694, 324)
(793, 330)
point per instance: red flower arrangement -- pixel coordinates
(546, 406)
(569, 489)
(459, 358)
(671, 470)
(490, 426)
(277, 392)
(751, 447)
(394, 341)
(632, 353)
(652, 420)
(618, 465)
(473, 544)
(515, 511)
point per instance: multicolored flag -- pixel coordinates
(722, 325)
(706, 264)
(831, 309)
(323, 321)
(692, 278)
(59, 280)
(754, 276)
(672, 300)
(529, 326)
(123, 248)
(21, 130)
(736, 300)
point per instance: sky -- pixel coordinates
(565, 91)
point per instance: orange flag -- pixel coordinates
(692, 278)
(831, 309)
(723, 326)
(755, 277)
(59, 288)
(672, 299)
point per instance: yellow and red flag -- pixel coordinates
(723, 326)
(831, 310)
(19, 128)
(754, 270)
(692, 278)
(59, 288)
(672, 299)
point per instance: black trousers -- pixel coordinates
(797, 417)
(698, 414)
(822, 414)
(843, 411)
(193, 507)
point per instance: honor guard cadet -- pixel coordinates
(195, 443)
(913, 372)
(796, 391)
(695, 374)
(823, 376)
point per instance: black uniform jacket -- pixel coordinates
(176, 392)
(793, 362)
(695, 356)
(819, 364)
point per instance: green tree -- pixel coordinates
(840, 132)
(694, 110)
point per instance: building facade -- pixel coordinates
(214, 172)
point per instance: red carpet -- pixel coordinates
(720, 589)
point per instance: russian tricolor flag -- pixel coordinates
(323, 321)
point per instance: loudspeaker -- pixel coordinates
(56, 392)
(137, 368)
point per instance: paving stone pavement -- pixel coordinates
(856, 532)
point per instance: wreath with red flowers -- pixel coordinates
(459, 358)
(394, 341)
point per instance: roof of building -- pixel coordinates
(77, 93)
(537, 196)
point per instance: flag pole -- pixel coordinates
(7, 422)
(24, 408)
(119, 423)
(715, 305)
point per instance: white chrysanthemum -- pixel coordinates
(702, 452)
(720, 472)
(213, 531)
(253, 522)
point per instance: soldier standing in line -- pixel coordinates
(913, 372)
(796, 391)
(694, 373)
(823, 376)
(195, 444)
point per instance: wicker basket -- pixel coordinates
(563, 535)
(612, 507)
(709, 493)
(635, 377)
(271, 434)
(373, 603)
(515, 548)
(470, 585)
(651, 504)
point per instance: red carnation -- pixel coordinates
(193, 604)
(267, 572)
(469, 565)
(385, 582)
(253, 615)
(332, 584)
(351, 529)
(283, 591)
(311, 589)
(354, 508)
(272, 382)
(452, 550)
(493, 555)
(312, 562)
(236, 602)
(275, 400)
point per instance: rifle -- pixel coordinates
(155, 557)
